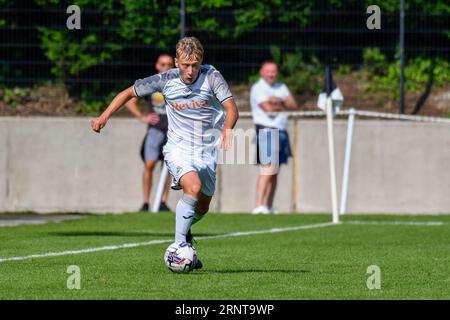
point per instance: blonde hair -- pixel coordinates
(189, 47)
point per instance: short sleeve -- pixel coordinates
(147, 86)
(259, 94)
(219, 86)
(284, 91)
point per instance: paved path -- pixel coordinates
(10, 220)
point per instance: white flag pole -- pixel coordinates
(331, 159)
(348, 155)
(160, 190)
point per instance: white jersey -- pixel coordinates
(261, 91)
(192, 109)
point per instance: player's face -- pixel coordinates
(269, 73)
(189, 68)
(164, 63)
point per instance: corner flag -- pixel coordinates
(330, 89)
(330, 101)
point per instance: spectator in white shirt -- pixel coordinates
(266, 97)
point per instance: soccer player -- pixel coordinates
(196, 97)
(156, 135)
(267, 95)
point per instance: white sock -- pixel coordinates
(184, 215)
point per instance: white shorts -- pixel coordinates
(179, 164)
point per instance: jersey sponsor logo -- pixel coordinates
(190, 104)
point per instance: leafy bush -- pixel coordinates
(70, 57)
(300, 74)
(382, 76)
(91, 105)
(13, 96)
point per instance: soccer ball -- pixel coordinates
(180, 257)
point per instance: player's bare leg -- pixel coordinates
(264, 190)
(271, 173)
(261, 190)
(191, 184)
(272, 185)
(203, 204)
(147, 180)
(165, 195)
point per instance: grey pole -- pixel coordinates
(402, 55)
(182, 18)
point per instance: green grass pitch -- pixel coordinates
(321, 262)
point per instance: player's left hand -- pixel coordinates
(226, 138)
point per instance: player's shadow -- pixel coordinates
(290, 271)
(118, 234)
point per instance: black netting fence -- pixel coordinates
(118, 42)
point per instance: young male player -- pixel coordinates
(196, 97)
(156, 135)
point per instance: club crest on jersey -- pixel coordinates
(190, 104)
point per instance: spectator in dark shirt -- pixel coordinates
(156, 137)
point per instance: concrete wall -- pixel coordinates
(396, 166)
(59, 164)
(4, 192)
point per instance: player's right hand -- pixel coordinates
(225, 139)
(97, 124)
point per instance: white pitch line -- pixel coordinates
(404, 223)
(148, 243)
(274, 230)
(227, 235)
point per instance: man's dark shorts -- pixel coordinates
(153, 143)
(271, 150)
